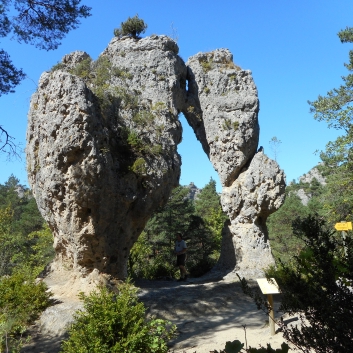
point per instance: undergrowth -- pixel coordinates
(116, 323)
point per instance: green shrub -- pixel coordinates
(155, 149)
(128, 100)
(233, 77)
(143, 118)
(21, 302)
(58, 66)
(159, 107)
(134, 141)
(114, 323)
(206, 65)
(82, 69)
(237, 347)
(236, 125)
(316, 286)
(132, 27)
(139, 166)
(227, 124)
(122, 73)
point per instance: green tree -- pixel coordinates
(283, 242)
(40, 23)
(336, 110)
(208, 207)
(132, 27)
(153, 254)
(25, 240)
(207, 200)
(160, 231)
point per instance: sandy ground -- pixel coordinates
(207, 313)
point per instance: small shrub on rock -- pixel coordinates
(132, 27)
(114, 323)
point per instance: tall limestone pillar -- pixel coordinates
(222, 107)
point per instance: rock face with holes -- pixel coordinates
(102, 138)
(101, 153)
(222, 107)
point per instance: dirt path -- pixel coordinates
(207, 314)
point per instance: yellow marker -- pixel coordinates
(343, 226)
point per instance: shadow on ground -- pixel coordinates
(202, 310)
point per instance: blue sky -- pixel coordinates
(291, 47)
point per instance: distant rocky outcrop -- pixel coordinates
(102, 151)
(313, 176)
(193, 191)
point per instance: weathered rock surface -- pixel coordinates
(222, 107)
(193, 191)
(253, 196)
(304, 197)
(101, 149)
(102, 139)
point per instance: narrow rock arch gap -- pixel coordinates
(195, 167)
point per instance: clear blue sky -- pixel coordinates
(291, 47)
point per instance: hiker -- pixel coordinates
(180, 251)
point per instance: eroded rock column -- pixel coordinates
(222, 107)
(101, 154)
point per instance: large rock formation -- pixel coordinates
(222, 107)
(102, 156)
(101, 151)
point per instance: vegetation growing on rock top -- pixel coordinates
(132, 27)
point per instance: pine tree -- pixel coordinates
(336, 110)
(132, 27)
(40, 23)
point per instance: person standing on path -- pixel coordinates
(180, 251)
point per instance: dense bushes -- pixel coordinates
(116, 323)
(25, 249)
(317, 286)
(21, 301)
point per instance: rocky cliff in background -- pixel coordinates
(312, 179)
(102, 151)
